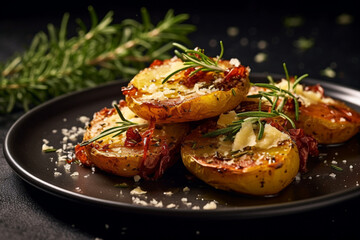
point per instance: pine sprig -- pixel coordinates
(55, 64)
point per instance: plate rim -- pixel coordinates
(247, 212)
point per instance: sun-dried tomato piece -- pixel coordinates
(306, 144)
(81, 155)
(130, 90)
(156, 62)
(235, 73)
(133, 137)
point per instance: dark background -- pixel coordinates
(260, 27)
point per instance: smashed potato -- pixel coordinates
(185, 97)
(254, 170)
(328, 120)
(147, 150)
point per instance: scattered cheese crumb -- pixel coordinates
(171, 205)
(210, 205)
(169, 193)
(333, 175)
(137, 178)
(186, 189)
(137, 191)
(138, 201)
(235, 62)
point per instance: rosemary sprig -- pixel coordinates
(123, 126)
(276, 94)
(251, 116)
(195, 58)
(55, 64)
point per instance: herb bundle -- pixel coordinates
(55, 64)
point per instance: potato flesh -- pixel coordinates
(255, 172)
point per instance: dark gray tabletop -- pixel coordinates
(322, 41)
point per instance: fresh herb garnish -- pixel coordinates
(49, 150)
(251, 116)
(277, 98)
(122, 127)
(336, 167)
(55, 63)
(121, 185)
(195, 58)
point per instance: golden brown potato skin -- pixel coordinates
(111, 155)
(328, 123)
(260, 172)
(197, 108)
(181, 106)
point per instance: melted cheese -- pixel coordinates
(246, 137)
(149, 82)
(306, 97)
(271, 138)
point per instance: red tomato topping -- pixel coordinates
(156, 62)
(133, 137)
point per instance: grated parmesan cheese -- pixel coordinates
(246, 137)
(210, 206)
(137, 191)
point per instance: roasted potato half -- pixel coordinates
(328, 123)
(253, 170)
(328, 120)
(126, 154)
(185, 97)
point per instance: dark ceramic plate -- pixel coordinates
(177, 193)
